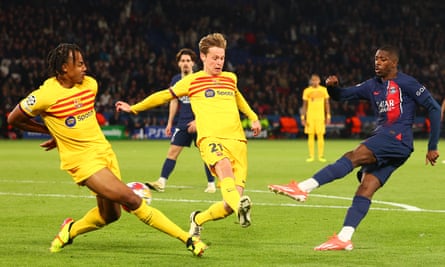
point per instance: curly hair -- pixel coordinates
(59, 56)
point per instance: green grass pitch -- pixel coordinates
(403, 228)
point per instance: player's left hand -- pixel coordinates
(49, 144)
(256, 127)
(431, 157)
(191, 127)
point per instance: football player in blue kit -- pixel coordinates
(394, 97)
(185, 131)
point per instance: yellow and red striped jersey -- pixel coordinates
(216, 102)
(70, 117)
(316, 98)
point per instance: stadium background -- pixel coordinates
(273, 46)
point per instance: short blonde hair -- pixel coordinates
(212, 40)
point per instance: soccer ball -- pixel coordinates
(141, 190)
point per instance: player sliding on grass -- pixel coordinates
(394, 97)
(65, 102)
(216, 102)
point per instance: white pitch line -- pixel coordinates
(211, 201)
(405, 207)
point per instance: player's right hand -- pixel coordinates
(49, 144)
(122, 106)
(168, 130)
(431, 157)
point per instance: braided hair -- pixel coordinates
(59, 56)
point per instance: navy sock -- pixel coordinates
(358, 210)
(210, 177)
(333, 171)
(167, 168)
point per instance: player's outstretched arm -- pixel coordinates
(122, 106)
(149, 102)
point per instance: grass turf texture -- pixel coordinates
(36, 196)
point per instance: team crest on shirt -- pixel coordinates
(77, 103)
(30, 100)
(216, 81)
(392, 90)
(209, 93)
(70, 121)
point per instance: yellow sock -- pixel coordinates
(90, 221)
(230, 194)
(320, 142)
(156, 219)
(214, 212)
(311, 145)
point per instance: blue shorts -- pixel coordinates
(390, 154)
(182, 137)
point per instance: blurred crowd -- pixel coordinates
(273, 46)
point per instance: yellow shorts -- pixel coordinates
(214, 149)
(315, 127)
(92, 162)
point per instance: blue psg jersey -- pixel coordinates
(185, 113)
(394, 103)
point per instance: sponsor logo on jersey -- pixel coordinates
(225, 93)
(84, 116)
(70, 121)
(420, 91)
(209, 93)
(184, 99)
(392, 90)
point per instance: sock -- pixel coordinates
(311, 145)
(308, 185)
(211, 184)
(320, 143)
(215, 212)
(357, 211)
(156, 219)
(90, 221)
(346, 233)
(210, 177)
(167, 168)
(334, 171)
(162, 180)
(230, 194)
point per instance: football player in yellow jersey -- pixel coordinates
(65, 102)
(216, 102)
(315, 115)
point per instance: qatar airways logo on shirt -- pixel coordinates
(385, 105)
